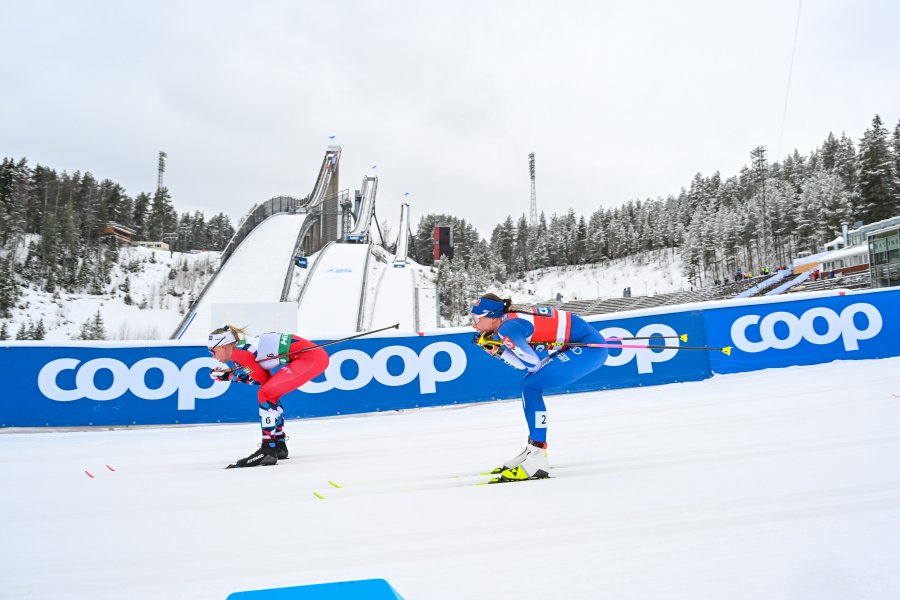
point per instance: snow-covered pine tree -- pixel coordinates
(140, 215)
(522, 251)
(829, 152)
(162, 217)
(540, 250)
(503, 240)
(807, 215)
(879, 189)
(580, 244)
(845, 168)
(9, 289)
(895, 148)
(93, 328)
(70, 248)
(831, 201)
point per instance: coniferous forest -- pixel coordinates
(718, 224)
(62, 216)
(760, 217)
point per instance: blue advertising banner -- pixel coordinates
(80, 385)
(805, 331)
(96, 384)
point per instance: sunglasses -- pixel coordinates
(213, 348)
(476, 318)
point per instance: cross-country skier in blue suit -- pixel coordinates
(535, 341)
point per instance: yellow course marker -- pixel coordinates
(727, 350)
(683, 337)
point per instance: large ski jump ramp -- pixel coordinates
(254, 273)
(329, 304)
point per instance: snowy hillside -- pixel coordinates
(158, 284)
(648, 273)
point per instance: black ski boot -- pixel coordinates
(265, 455)
(281, 449)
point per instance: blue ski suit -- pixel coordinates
(550, 365)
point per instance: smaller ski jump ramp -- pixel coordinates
(395, 300)
(330, 301)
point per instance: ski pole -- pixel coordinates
(725, 350)
(349, 337)
(683, 337)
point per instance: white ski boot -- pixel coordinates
(531, 463)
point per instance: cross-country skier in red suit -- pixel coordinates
(513, 336)
(274, 362)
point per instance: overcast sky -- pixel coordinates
(618, 100)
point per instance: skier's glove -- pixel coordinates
(219, 375)
(491, 345)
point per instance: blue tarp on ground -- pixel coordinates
(365, 589)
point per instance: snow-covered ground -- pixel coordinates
(648, 273)
(780, 484)
(158, 301)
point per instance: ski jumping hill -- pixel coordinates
(254, 273)
(330, 301)
(395, 300)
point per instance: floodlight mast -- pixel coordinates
(533, 195)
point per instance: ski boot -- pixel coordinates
(532, 463)
(265, 455)
(512, 463)
(281, 449)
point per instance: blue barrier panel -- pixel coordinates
(364, 589)
(94, 384)
(805, 331)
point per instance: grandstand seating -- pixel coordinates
(851, 282)
(599, 306)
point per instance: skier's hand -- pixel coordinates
(491, 345)
(219, 374)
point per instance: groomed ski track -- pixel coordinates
(254, 273)
(776, 485)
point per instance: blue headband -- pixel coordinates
(488, 308)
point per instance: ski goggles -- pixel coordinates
(219, 339)
(475, 317)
